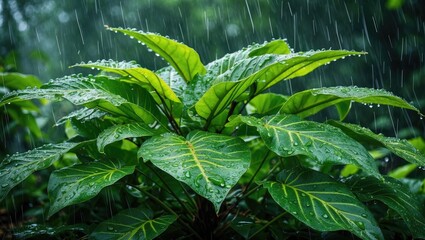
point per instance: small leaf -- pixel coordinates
(18, 167)
(209, 163)
(309, 102)
(396, 196)
(278, 46)
(134, 223)
(402, 171)
(289, 135)
(184, 59)
(79, 183)
(322, 203)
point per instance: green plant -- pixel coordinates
(208, 152)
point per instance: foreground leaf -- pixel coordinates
(209, 163)
(322, 203)
(135, 223)
(396, 196)
(18, 167)
(79, 183)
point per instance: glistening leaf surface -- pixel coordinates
(18, 167)
(322, 203)
(79, 183)
(184, 59)
(135, 223)
(289, 135)
(396, 196)
(209, 163)
(311, 101)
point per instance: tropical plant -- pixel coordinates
(210, 152)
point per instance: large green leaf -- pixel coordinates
(120, 132)
(322, 203)
(16, 168)
(400, 147)
(184, 59)
(137, 74)
(135, 224)
(13, 80)
(289, 135)
(209, 163)
(311, 101)
(396, 196)
(81, 182)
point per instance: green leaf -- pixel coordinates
(184, 59)
(134, 223)
(120, 132)
(81, 182)
(400, 147)
(137, 75)
(266, 103)
(209, 163)
(16, 168)
(396, 196)
(311, 101)
(289, 135)
(322, 203)
(15, 81)
(278, 46)
(82, 114)
(402, 171)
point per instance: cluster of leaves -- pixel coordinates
(208, 151)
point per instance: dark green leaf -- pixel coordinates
(82, 114)
(209, 163)
(79, 183)
(322, 203)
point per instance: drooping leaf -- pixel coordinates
(396, 196)
(289, 135)
(137, 74)
(311, 101)
(209, 163)
(13, 80)
(184, 59)
(135, 223)
(16, 168)
(120, 132)
(172, 78)
(400, 147)
(322, 203)
(81, 182)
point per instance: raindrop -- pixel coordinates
(325, 216)
(361, 225)
(110, 229)
(4, 185)
(187, 174)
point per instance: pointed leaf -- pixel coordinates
(278, 46)
(16, 168)
(311, 101)
(289, 135)
(79, 183)
(396, 196)
(119, 132)
(134, 223)
(209, 163)
(399, 147)
(322, 203)
(184, 59)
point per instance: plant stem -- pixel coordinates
(168, 113)
(256, 172)
(268, 224)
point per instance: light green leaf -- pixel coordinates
(137, 75)
(120, 132)
(13, 80)
(278, 46)
(135, 223)
(400, 147)
(311, 101)
(396, 196)
(322, 203)
(402, 171)
(184, 59)
(79, 183)
(266, 103)
(209, 163)
(16, 168)
(289, 135)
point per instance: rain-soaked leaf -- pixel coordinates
(120, 132)
(289, 135)
(13, 80)
(82, 115)
(311, 101)
(396, 196)
(266, 103)
(184, 59)
(322, 203)
(209, 163)
(16, 168)
(81, 182)
(135, 223)
(399, 147)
